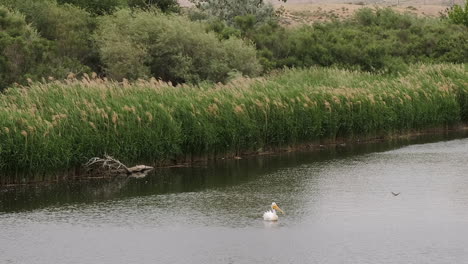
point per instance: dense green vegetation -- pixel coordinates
(372, 40)
(228, 10)
(26, 54)
(213, 42)
(56, 46)
(102, 7)
(62, 124)
(142, 44)
(459, 14)
(170, 83)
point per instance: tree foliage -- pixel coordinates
(216, 41)
(372, 40)
(98, 7)
(147, 43)
(228, 10)
(71, 37)
(166, 6)
(103, 7)
(23, 53)
(458, 14)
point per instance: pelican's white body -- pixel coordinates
(270, 215)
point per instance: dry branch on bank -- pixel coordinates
(110, 167)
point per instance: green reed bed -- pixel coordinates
(58, 125)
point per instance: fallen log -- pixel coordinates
(110, 167)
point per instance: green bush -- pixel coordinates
(23, 53)
(98, 7)
(104, 7)
(147, 43)
(166, 6)
(372, 40)
(458, 14)
(228, 10)
(70, 37)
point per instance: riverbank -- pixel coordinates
(57, 125)
(338, 206)
(79, 174)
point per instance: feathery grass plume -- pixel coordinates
(67, 122)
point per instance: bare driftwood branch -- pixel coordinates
(108, 166)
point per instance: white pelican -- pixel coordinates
(271, 215)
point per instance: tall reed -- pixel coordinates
(61, 124)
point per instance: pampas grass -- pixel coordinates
(61, 124)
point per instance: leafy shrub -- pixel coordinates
(71, 37)
(104, 7)
(381, 40)
(222, 29)
(228, 10)
(167, 6)
(147, 43)
(98, 7)
(23, 53)
(459, 15)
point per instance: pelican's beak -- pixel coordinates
(276, 207)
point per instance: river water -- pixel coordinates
(338, 204)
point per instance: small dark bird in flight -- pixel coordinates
(395, 194)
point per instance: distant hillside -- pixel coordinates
(310, 11)
(383, 2)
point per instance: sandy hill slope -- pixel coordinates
(309, 11)
(296, 12)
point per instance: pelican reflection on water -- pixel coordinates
(271, 215)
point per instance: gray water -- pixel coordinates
(338, 203)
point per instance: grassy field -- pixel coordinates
(58, 125)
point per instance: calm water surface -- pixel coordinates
(338, 203)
